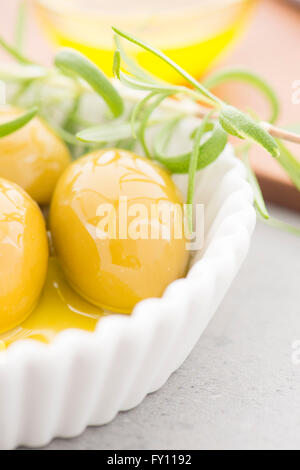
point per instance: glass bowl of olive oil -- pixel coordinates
(194, 33)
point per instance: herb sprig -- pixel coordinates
(59, 94)
(12, 126)
(232, 120)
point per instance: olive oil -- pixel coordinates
(194, 35)
(59, 308)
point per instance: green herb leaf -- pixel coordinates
(212, 148)
(258, 197)
(243, 126)
(132, 66)
(14, 52)
(259, 202)
(21, 26)
(208, 151)
(67, 136)
(117, 64)
(110, 132)
(189, 78)
(279, 224)
(137, 110)
(138, 84)
(176, 163)
(237, 74)
(144, 122)
(16, 124)
(16, 73)
(143, 85)
(192, 172)
(72, 61)
(289, 163)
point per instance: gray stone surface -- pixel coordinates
(239, 387)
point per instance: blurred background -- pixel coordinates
(263, 35)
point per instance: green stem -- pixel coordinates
(21, 27)
(289, 163)
(214, 99)
(14, 52)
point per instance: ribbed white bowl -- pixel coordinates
(85, 378)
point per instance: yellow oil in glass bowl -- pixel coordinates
(194, 33)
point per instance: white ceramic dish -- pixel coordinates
(84, 379)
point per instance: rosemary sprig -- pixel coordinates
(191, 80)
(232, 120)
(74, 77)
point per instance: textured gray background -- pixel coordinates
(239, 388)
